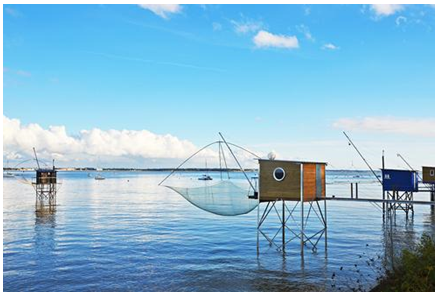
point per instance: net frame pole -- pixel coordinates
(205, 147)
(219, 157)
(237, 162)
(185, 161)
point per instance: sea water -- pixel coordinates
(126, 233)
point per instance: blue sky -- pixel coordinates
(288, 78)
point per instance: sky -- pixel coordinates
(147, 85)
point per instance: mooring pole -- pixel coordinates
(302, 211)
(352, 190)
(356, 190)
(283, 225)
(257, 233)
(326, 227)
(384, 193)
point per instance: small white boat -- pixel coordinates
(8, 175)
(205, 177)
(99, 177)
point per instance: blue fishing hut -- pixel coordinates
(399, 186)
(400, 180)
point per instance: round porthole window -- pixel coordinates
(279, 174)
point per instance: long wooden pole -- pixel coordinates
(237, 162)
(365, 161)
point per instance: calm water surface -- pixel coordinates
(127, 234)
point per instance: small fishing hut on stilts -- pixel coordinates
(295, 185)
(45, 184)
(299, 187)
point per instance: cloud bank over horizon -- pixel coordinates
(145, 149)
(109, 148)
(55, 142)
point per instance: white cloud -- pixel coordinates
(13, 12)
(330, 46)
(17, 72)
(55, 140)
(306, 32)
(267, 39)
(127, 148)
(400, 19)
(217, 26)
(246, 26)
(407, 126)
(307, 11)
(386, 9)
(162, 10)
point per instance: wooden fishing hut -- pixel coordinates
(428, 178)
(428, 175)
(45, 185)
(292, 183)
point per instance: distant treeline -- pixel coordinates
(167, 169)
(138, 169)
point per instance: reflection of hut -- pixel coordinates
(294, 181)
(45, 187)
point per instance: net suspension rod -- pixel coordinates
(365, 161)
(251, 184)
(222, 150)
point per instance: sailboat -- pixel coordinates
(205, 176)
(99, 176)
(8, 174)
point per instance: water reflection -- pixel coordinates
(45, 225)
(116, 235)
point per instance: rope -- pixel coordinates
(205, 147)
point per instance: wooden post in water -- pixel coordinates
(384, 194)
(302, 234)
(352, 190)
(283, 225)
(326, 228)
(356, 190)
(257, 231)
